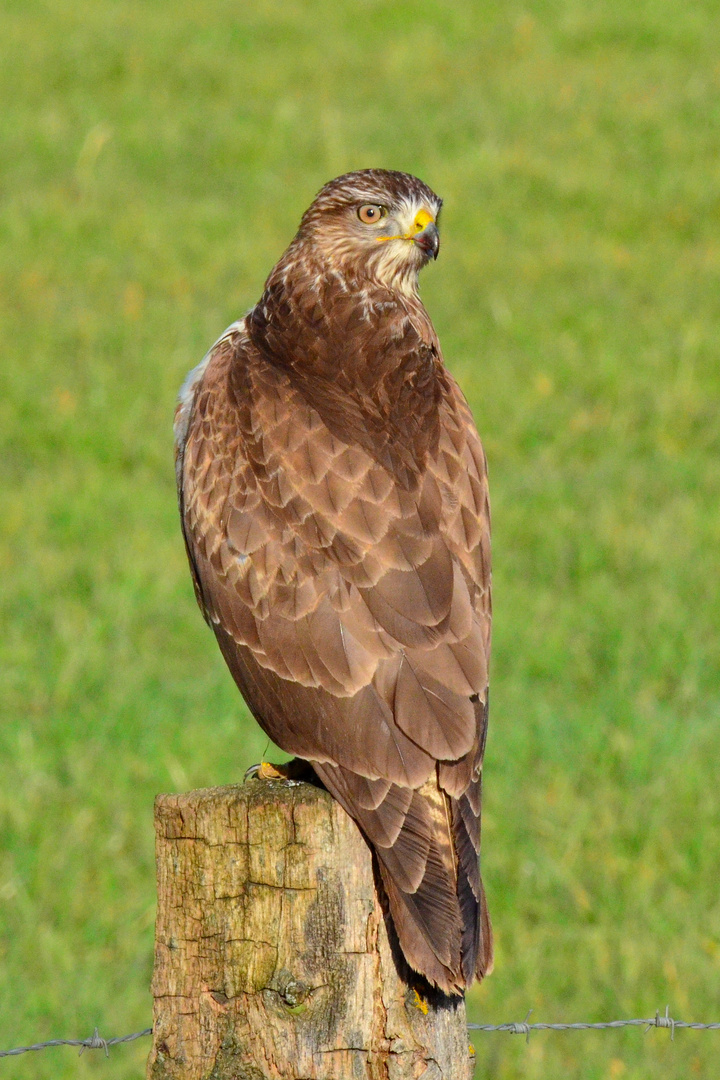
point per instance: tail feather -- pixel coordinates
(426, 845)
(417, 940)
(477, 947)
(486, 953)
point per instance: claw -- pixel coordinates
(265, 771)
(420, 1003)
(292, 771)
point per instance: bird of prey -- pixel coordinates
(334, 502)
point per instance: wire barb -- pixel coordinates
(523, 1028)
(663, 1022)
(95, 1042)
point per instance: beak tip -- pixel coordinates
(429, 240)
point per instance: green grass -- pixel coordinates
(154, 162)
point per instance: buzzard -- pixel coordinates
(334, 502)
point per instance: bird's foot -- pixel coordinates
(294, 771)
(420, 1002)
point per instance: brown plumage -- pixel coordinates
(333, 494)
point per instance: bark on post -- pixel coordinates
(272, 957)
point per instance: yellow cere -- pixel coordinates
(422, 220)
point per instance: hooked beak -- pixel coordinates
(428, 240)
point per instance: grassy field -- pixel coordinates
(154, 162)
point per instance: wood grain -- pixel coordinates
(272, 956)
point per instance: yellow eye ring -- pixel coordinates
(370, 213)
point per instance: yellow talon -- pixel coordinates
(292, 770)
(420, 1003)
(264, 771)
(268, 771)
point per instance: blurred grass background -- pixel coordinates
(154, 162)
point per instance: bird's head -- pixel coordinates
(374, 224)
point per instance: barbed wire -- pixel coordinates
(659, 1020)
(95, 1042)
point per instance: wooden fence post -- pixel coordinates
(272, 960)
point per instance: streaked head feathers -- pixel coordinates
(389, 244)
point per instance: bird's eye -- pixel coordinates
(371, 213)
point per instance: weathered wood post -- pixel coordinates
(272, 958)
